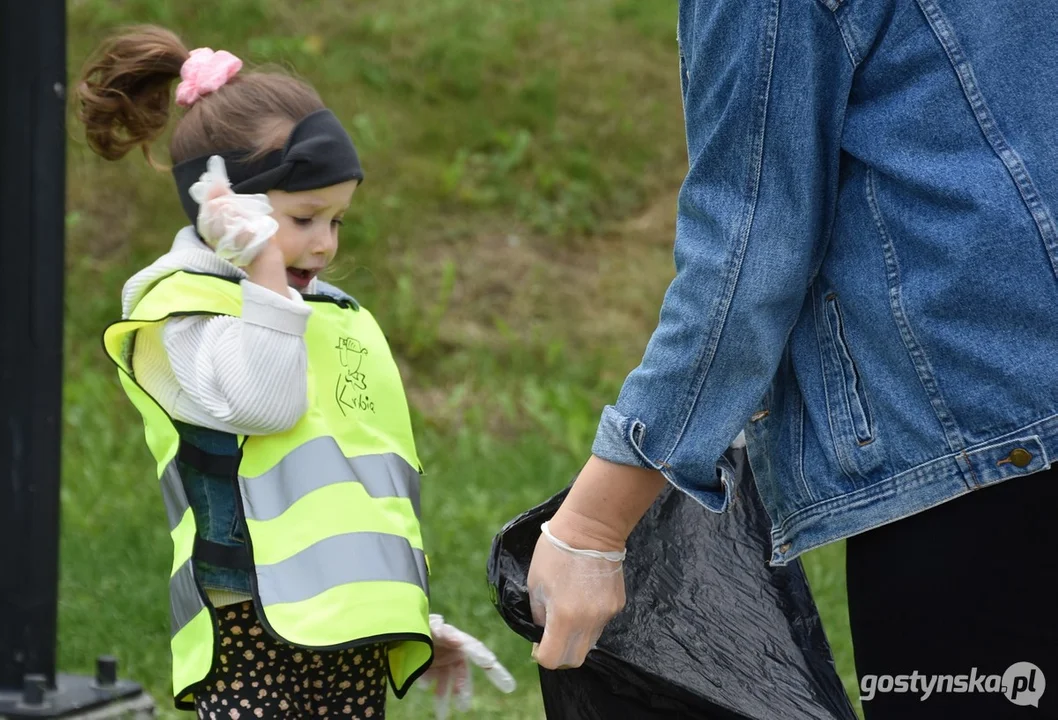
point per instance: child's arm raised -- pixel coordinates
(246, 374)
(242, 374)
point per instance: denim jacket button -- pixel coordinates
(1018, 457)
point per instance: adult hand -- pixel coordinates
(573, 594)
(576, 577)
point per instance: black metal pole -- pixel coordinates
(32, 252)
(32, 201)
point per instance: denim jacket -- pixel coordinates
(212, 497)
(866, 261)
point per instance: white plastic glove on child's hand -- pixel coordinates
(237, 227)
(454, 650)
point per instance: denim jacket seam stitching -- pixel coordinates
(840, 501)
(1046, 455)
(1035, 428)
(1016, 436)
(801, 451)
(812, 545)
(831, 6)
(846, 28)
(704, 362)
(986, 122)
(970, 467)
(917, 353)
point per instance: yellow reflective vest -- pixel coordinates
(330, 508)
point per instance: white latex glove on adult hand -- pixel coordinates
(573, 594)
(237, 227)
(454, 650)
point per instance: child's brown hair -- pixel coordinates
(125, 101)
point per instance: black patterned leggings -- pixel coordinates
(257, 676)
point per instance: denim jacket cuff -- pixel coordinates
(619, 439)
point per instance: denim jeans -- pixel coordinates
(213, 502)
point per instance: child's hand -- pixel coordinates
(237, 227)
(454, 650)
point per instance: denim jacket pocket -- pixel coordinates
(852, 421)
(855, 398)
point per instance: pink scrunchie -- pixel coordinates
(205, 72)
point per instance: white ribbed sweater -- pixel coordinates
(244, 375)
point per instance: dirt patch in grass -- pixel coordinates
(600, 295)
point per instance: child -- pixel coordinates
(271, 403)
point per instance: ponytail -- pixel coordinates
(125, 98)
(124, 93)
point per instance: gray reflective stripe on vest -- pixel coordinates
(184, 601)
(173, 495)
(338, 560)
(320, 462)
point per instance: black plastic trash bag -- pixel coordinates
(709, 630)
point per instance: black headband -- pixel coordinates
(317, 154)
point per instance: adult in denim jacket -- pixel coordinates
(867, 285)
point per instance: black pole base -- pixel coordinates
(77, 696)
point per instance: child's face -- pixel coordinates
(308, 228)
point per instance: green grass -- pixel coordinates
(504, 146)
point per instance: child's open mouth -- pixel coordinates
(298, 278)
